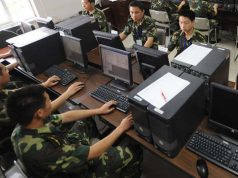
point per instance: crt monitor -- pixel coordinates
(116, 63)
(27, 27)
(42, 22)
(223, 111)
(109, 39)
(150, 60)
(73, 51)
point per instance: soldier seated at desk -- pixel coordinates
(171, 8)
(47, 151)
(187, 35)
(142, 27)
(204, 9)
(91, 10)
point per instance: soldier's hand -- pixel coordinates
(107, 107)
(53, 80)
(75, 87)
(126, 123)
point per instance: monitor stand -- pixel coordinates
(120, 85)
(80, 68)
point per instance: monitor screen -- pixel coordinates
(73, 50)
(150, 60)
(223, 107)
(116, 63)
(109, 39)
(27, 27)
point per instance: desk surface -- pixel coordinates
(185, 160)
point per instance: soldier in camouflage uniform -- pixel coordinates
(205, 10)
(171, 8)
(187, 34)
(90, 10)
(48, 151)
(7, 87)
(142, 27)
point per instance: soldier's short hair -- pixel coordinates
(91, 1)
(138, 4)
(187, 13)
(23, 103)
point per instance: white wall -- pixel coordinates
(58, 9)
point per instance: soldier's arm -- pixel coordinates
(75, 115)
(100, 147)
(75, 87)
(149, 42)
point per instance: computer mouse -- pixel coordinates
(202, 168)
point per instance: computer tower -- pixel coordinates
(170, 126)
(81, 27)
(214, 67)
(38, 50)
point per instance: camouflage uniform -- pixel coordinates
(204, 9)
(171, 8)
(142, 31)
(99, 16)
(179, 41)
(50, 152)
(6, 126)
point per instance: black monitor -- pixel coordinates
(42, 22)
(150, 60)
(27, 27)
(223, 111)
(116, 63)
(109, 39)
(74, 51)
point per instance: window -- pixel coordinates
(15, 11)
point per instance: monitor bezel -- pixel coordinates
(149, 52)
(211, 121)
(128, 54)
(111, 39)
(85, 59)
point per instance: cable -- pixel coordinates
(12, 32)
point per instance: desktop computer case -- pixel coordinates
(139, 106)
(72, 27)
(42, 49)
(169, 130)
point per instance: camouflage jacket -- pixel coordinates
(4, 93)
(202, 8)
(142, 31)
(49, 151)
(179, 41)
(164, 5)
(99, 16)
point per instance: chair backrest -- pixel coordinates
(202, 24)
(160, 16)
(15, 171)
(161, 33)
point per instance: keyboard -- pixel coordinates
(105, 93)
(65, 76)
(215, 149)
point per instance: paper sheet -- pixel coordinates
(193, 54)
(163, 90)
